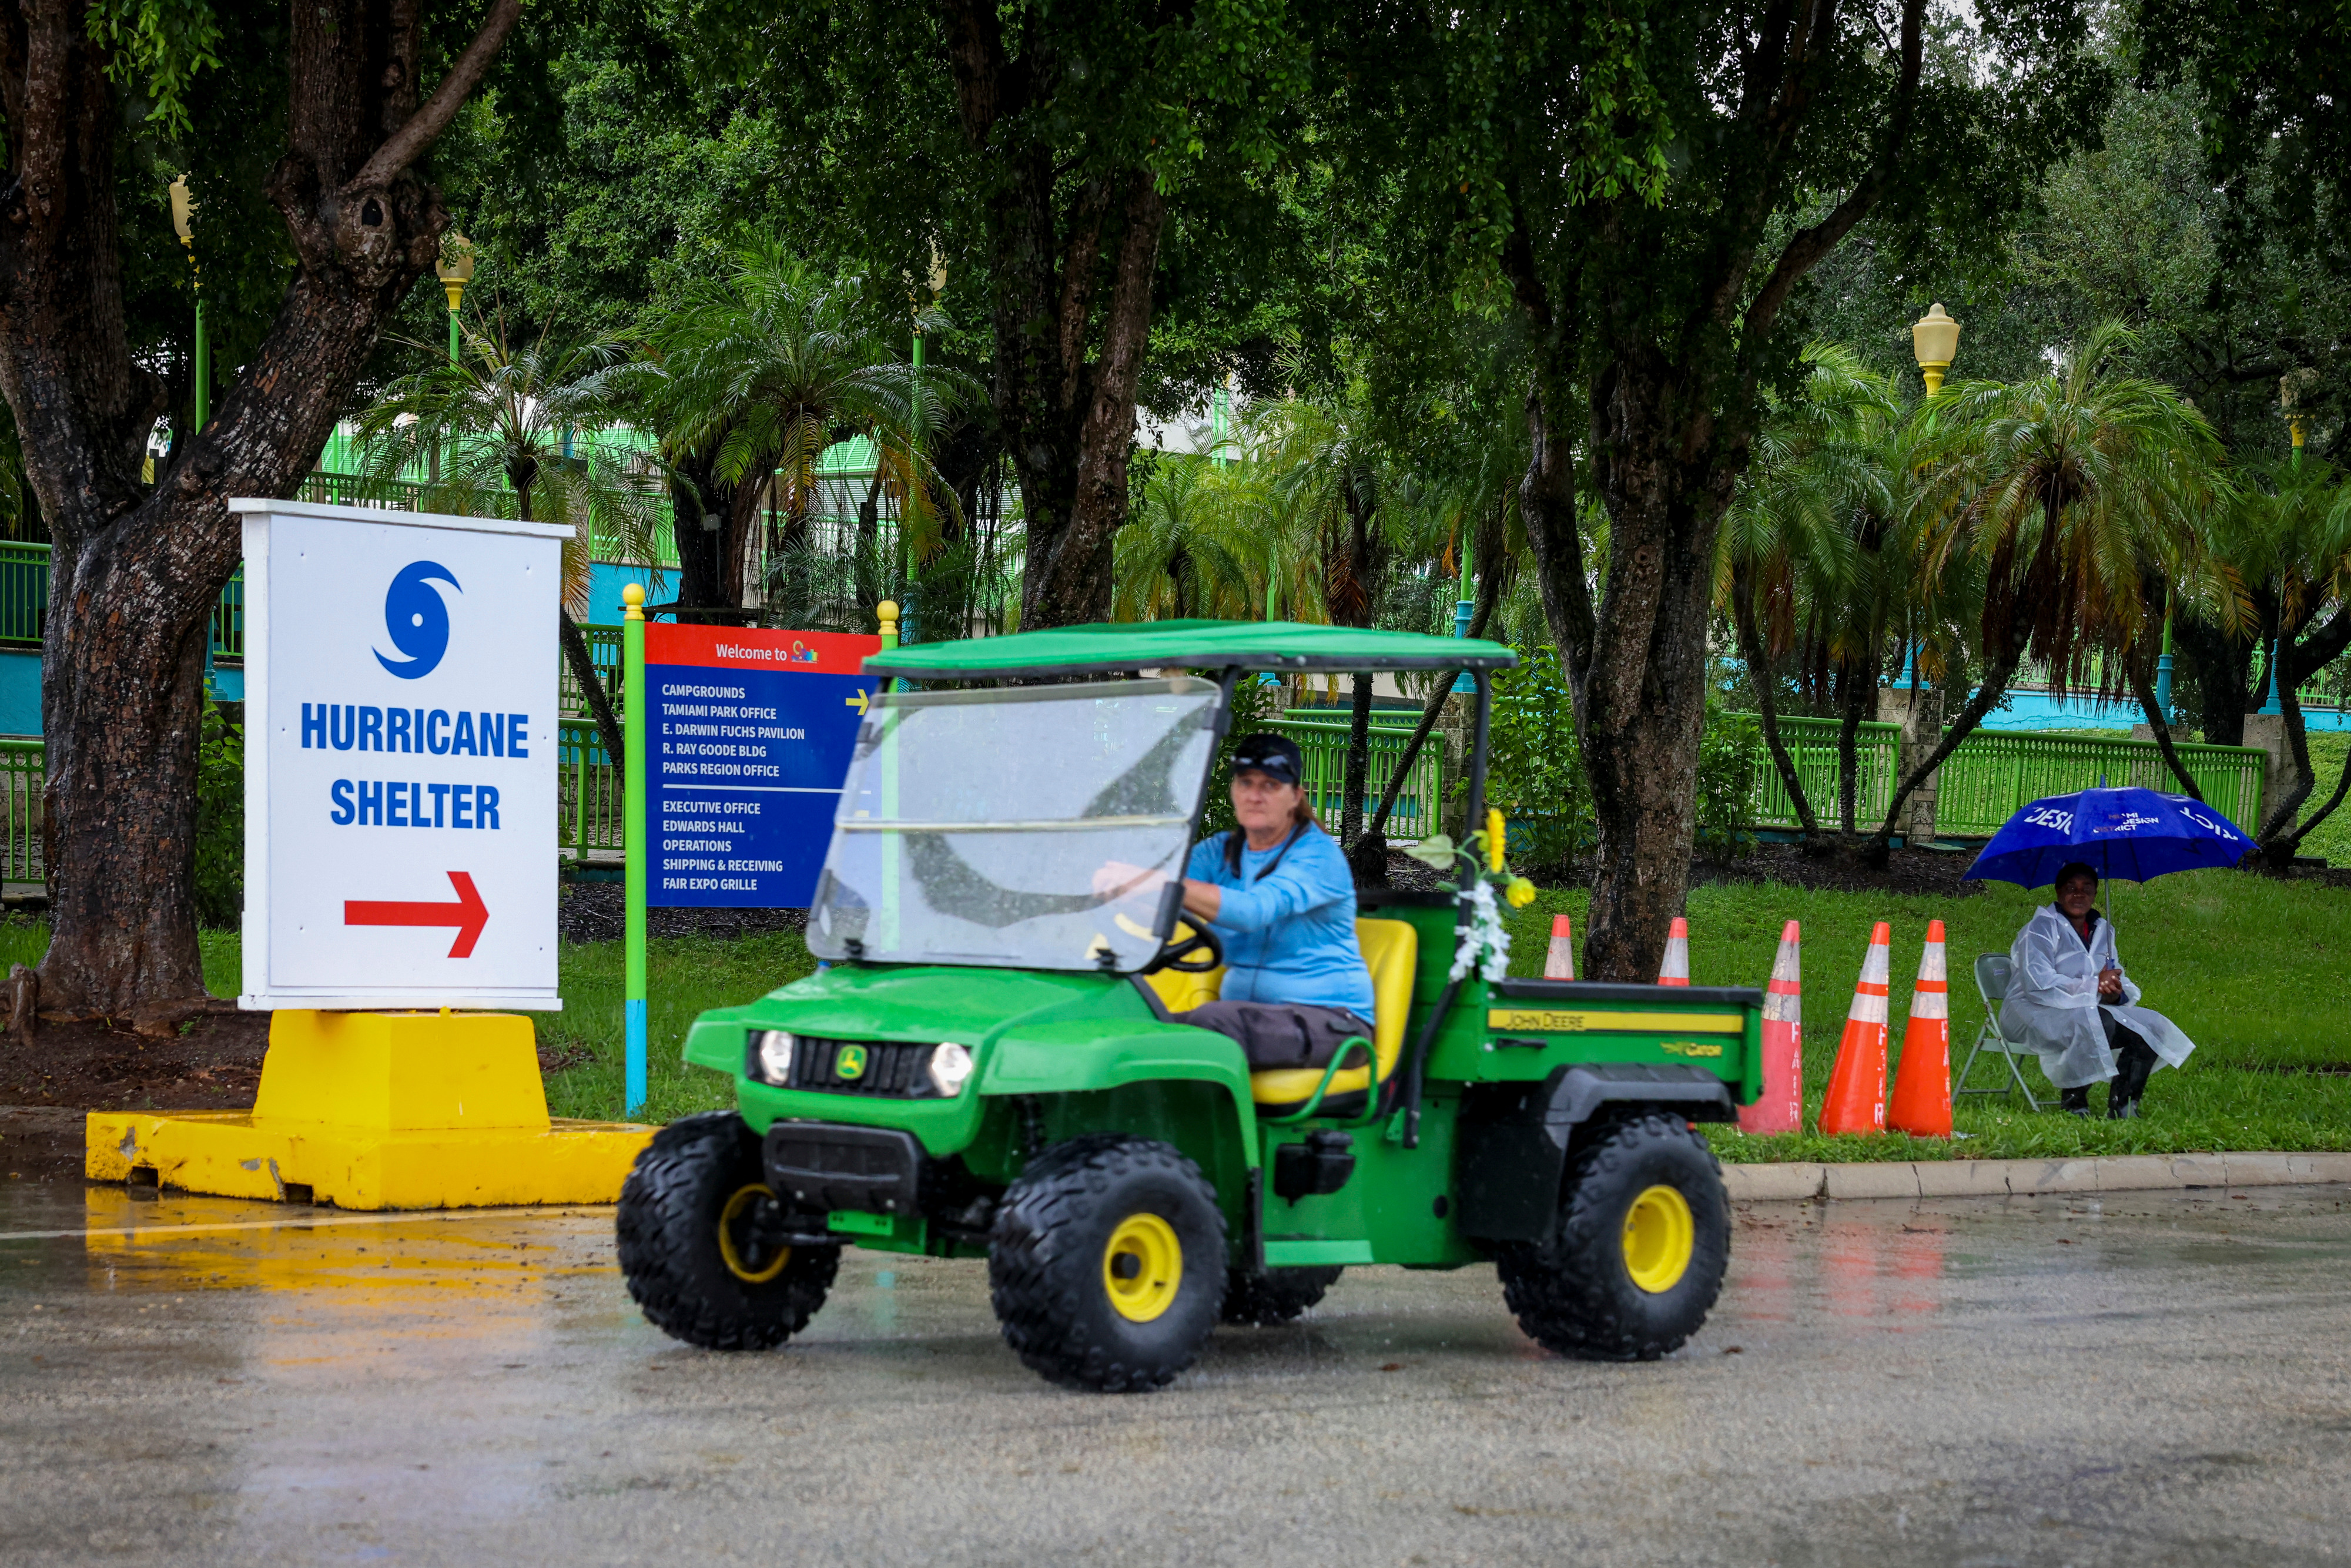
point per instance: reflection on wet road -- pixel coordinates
(2156, 1379)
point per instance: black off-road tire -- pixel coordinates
(669, 1244)
(1573, 1291)
(1276, 1296)
(1048, 1249)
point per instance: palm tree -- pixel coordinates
(2284, 541)
(2062, 490)
(1811, 556)
(1191, 548)
(503, 425)
(761, 371)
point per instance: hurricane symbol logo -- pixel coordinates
(416, 620)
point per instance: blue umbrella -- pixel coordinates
(2134, 835)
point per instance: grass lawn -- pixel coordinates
(2253, 969)
(2333, 839)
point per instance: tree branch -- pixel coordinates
(1767, 703)
(2159, 723)
(424, 127)
(1805, 251)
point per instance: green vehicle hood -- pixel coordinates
(917, 1003)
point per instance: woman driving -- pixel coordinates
(1280, 898)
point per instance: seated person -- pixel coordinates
(2068, 997)
(1279, 896)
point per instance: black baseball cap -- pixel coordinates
(1275, 756)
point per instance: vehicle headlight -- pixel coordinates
(771, 1055)
(950, 1069)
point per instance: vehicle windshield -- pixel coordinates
(974, 823)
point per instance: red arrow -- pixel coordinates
(468, 915)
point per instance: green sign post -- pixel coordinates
(634, 846)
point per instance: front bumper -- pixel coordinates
(826, 1165)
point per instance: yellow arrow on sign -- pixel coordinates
(857, 702)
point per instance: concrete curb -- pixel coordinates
(1797, 1183)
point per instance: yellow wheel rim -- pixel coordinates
(730, 1219)
(1142, 1266)
(1659, 1236)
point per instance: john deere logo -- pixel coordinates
(850, 1062)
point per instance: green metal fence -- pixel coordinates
(1324, 743)
(1811, 745)
(1994, 773)
(25, 601)
(605, 650)
(24, 771)
(587, 793)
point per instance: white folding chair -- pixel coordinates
(1991, 984)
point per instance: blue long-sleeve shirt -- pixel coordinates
(1291, 937)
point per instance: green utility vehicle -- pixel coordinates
(989, 1064)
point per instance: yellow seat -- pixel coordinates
(1391, 952)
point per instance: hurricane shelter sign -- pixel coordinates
(401, 730)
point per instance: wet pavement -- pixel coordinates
(2148, 1379)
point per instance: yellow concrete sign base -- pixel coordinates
(380, 1110)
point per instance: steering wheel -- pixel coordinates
(1189, 949)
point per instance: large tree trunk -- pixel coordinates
(695, 494)
(1071, 277)
(1644, 708)
(135, 572)
(2224, 668)
(1672, 410)
(1857, 690)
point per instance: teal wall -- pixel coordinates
(20, 691)
(604, 583)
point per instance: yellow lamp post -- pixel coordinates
(1935, 338)
(2291, 386)
(183, 212)
(457, 269)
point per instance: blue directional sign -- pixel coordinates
(749, 741)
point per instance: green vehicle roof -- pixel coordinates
(1107, 648)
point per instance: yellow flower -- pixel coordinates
(1520, 892)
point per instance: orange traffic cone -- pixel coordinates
(1677, 970)
(1781, 1107)
(1856, 1098)
(1559, 963)
(1922, 1084)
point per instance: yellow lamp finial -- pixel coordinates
(632, 601)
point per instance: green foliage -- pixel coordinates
(1534, 767)
(1534, 771)
(1253, 706)
(166, 42)
(497, 427)
(219, 821)
(762, 371)
(1727, 757)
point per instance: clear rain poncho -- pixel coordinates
(2053, 1002)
